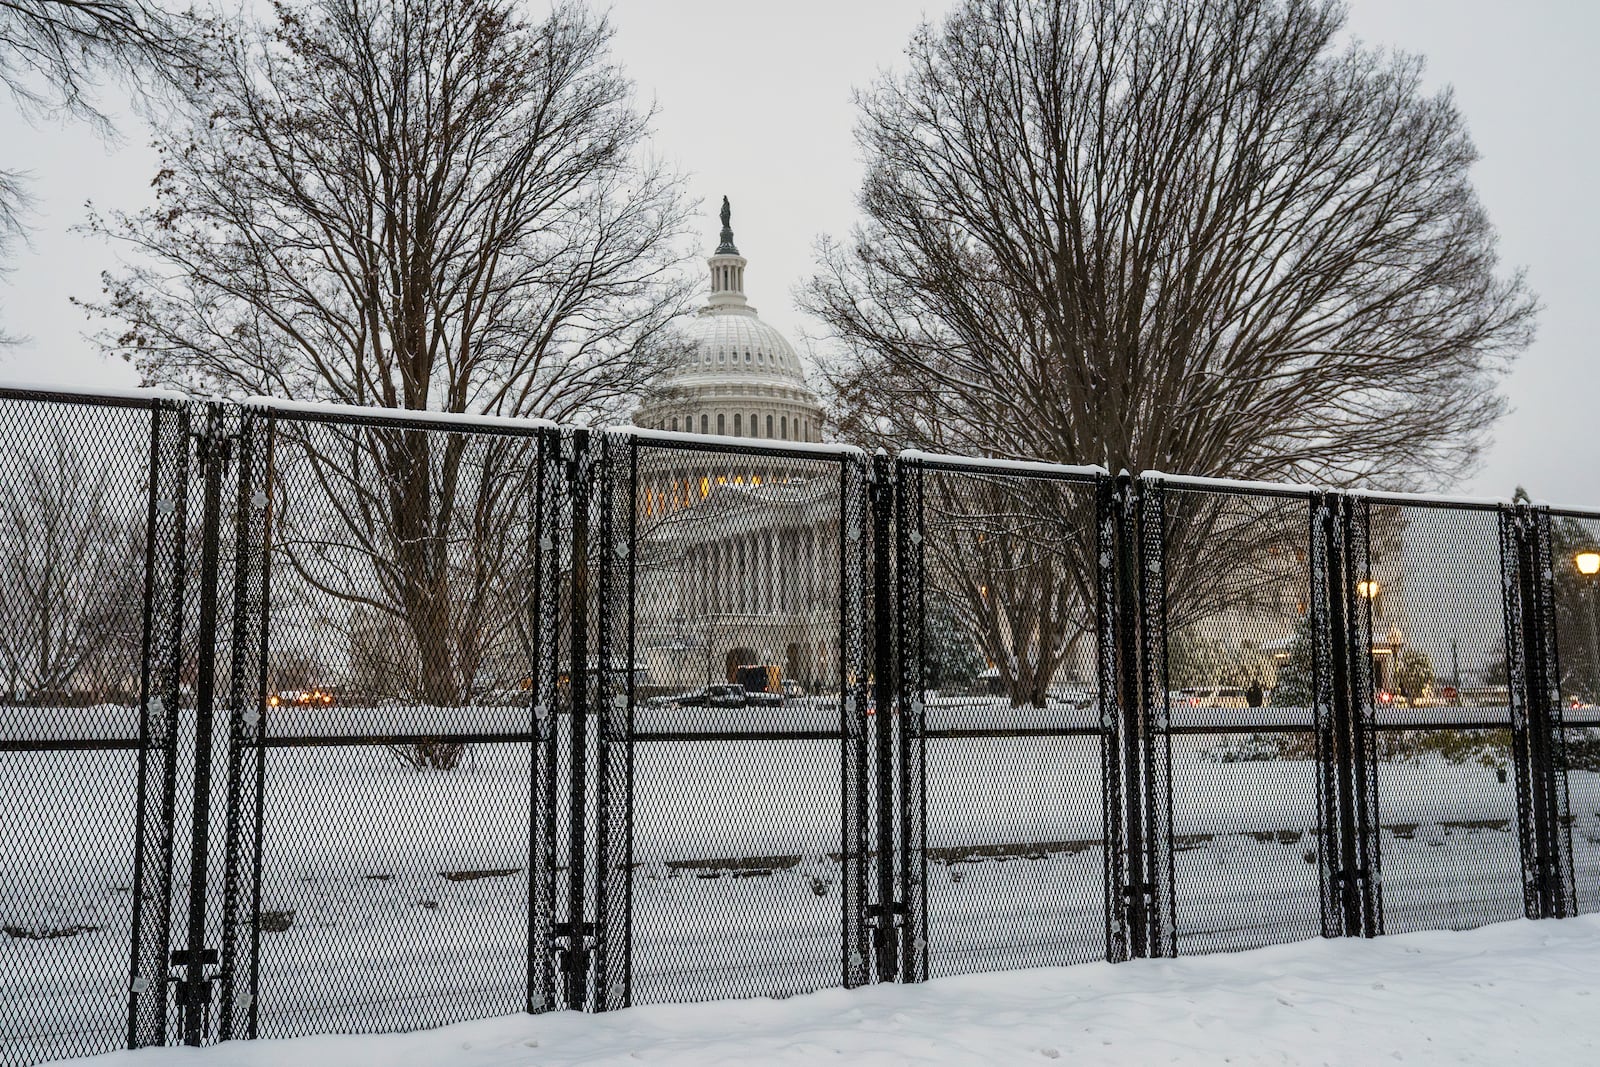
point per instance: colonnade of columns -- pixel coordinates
(766, 571)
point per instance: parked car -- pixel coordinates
(1216, 696)
(727, 696)
(1073, 695)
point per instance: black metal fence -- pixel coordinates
(319, 719)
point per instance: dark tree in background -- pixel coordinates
(1205, 238)
(411, 204)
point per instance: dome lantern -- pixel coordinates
(727, 267)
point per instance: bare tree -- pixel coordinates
(72, 580)
(414, 204)
(1204, 238)
(1201, 237)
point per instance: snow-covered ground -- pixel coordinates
(1517, 992)
(399, 900)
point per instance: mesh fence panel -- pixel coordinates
(1431, 590)
(1005, 677)
(1244, 685)
(747, 873)
(407, 733)
(92, 522)
(1573, 536)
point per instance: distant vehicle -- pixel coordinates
(1217, 696)
(760, 682)
(715, 696)
(301, 698)
(792, 689)
(1075, 696)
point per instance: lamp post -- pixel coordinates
(1368, 590)
(1587, 563)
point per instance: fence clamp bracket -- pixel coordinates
(571, 940)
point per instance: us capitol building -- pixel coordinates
(738, 553)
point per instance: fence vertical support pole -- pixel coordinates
(1535, 766)
(910, 646)
(615, 476)
(1546, 706)
(161, 659)
(194, 987)
(1135, 884)
(1514, 594)
(237, 1012)
(1325, 647)
(1155, 717)
(885, 910)
(1355, 541)
(571, 934)
(1107, 569)
(1339, 627)
(1544, 763)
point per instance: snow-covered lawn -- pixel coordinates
(1518, 992)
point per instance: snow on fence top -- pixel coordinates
(35, 391)
(460, 421)
(742, 444)
(1002, 466)
(1227, 485)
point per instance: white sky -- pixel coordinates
(755, 102)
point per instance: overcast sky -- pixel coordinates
(754, 102)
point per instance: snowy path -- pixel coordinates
(1517, 992)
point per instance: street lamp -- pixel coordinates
(1587, 563)
(1370, 589)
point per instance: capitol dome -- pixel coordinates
(738, 376)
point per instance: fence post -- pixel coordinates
(572, 936)
(1545, 703)
(1134, 884)
(1355, 638)
(886, 912)
(1108, 570)
(1327, 644)
(1542, 799)
(1155, 720)
(1515, 596)
(912, 784)
(192, 991)
(237, 1014)
(615, 482)
(1346, 873)
(854, 761)
(161, 660)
